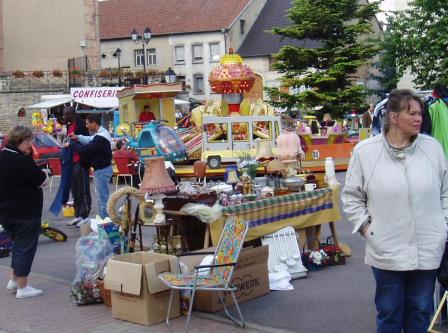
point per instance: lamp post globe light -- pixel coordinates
(170, 76)
(146, 36)
(117, 54)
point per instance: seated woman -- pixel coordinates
(327, 121)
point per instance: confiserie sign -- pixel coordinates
(98, 97)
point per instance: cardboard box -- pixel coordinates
(250, 277)
(85, 230)
(138, 295)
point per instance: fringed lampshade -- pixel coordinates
(157, 181)
(156, 178)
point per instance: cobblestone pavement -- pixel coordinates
(54, 312)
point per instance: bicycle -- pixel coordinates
(52, 233)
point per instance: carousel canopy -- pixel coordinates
(232, 77)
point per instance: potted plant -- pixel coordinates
(18, 74)
(38, 74)
(56, 73)
(75, 72)
(104, 73)
(128, 74)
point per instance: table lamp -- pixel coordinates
(264, 151)
(275, 167)
(232, 177)
(157, 181)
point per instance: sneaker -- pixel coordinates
(83, 221)
(74, 221)
(12, 285)
(28, 291)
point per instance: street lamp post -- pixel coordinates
(145, 40)
(170, 76)
(117, 54)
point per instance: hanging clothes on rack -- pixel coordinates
(439, 121)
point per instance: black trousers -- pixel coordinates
(82, 201)
(25, 235)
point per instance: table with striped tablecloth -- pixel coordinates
(299, 210)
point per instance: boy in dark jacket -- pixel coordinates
(98, 148)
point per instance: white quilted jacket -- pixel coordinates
(405, 200)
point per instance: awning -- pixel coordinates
(180, 101)
(96, 111)
(49, 103)
(111, 103)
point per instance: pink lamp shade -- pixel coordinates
(156, 178)
(289, 147)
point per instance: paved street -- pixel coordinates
(336, 299)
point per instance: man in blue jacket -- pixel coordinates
(97, 147)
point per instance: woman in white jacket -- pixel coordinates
(396, 196)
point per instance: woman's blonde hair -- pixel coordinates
(399, 100)
(19, 134)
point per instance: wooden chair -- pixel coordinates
(124, 170)
(55, 165)
(218, 278)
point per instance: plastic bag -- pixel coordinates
(92, 254)
(442, 272)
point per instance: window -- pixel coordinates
(239, 131)
(216, 132)
(262, 130)
(179, 54)
(139, 57)
(151, 57)
(197, 53)
(198, 80)
(243, 26)
(214, 52)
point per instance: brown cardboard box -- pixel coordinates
(138, 295)
(250, 277)
(85, 229)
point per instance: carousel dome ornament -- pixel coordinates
(231, 79)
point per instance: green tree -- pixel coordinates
(342, 27)
(417, 40)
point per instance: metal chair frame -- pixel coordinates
(227, 286)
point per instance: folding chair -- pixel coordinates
(124, 170)
(219, 276)
(55, 165)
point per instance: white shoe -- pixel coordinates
(74, 221)
(28, 291)
(12, 285)
(83, 221)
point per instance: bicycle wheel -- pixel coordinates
(54, 234)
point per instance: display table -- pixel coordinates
(299, 210)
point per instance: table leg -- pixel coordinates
(207, 237)
(333, 234)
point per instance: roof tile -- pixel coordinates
(119, 17)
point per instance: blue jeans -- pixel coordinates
(404, 300)
(102, 178)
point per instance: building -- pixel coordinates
(37, 39)
(44, 34)
(187, 36)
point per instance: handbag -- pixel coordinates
(442, 272)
